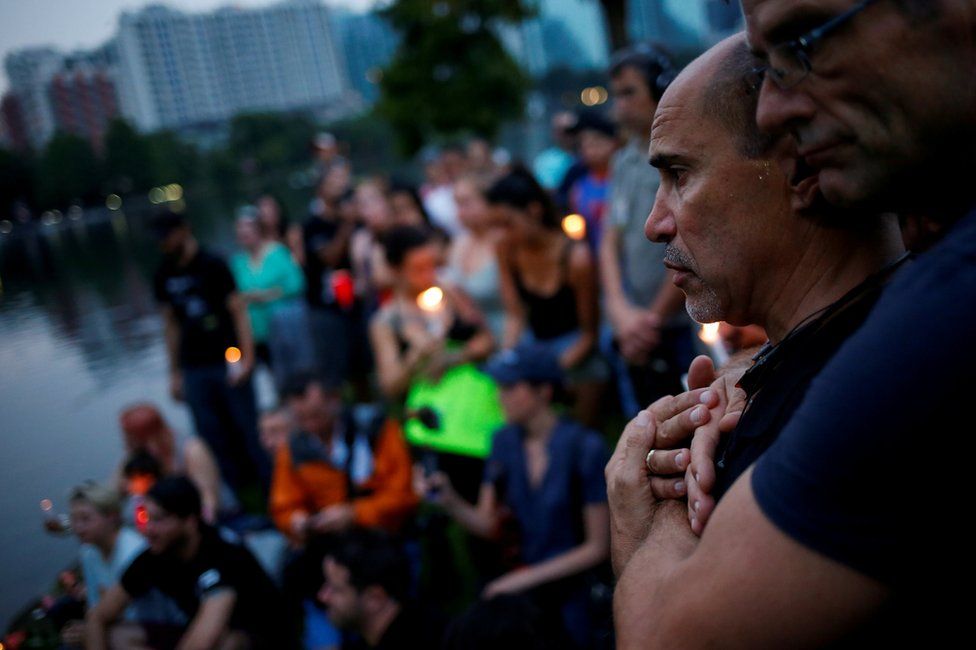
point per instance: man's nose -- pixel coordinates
(660, 225)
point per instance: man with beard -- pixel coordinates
(366, 592)
(216, 595)
(206, 325)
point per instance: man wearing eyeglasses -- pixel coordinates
(836, 535)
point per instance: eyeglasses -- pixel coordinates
(789, 63)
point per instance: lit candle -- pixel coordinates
(574, 226)
(709, 336)
(431, 302)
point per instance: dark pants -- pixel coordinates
(226, 418)
(641, 386)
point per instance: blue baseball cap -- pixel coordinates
(531, 363)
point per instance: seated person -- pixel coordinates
(107, 547)
(547, 471)
(366, 591)
(337, 470)
(218, 594)
(144, 429)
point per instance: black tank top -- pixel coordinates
(553, 315)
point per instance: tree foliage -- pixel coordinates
(15, 181)
(128, 160)
(67, 171)
(451, 74)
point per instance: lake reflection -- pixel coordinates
(80, 338)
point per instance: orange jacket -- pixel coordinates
(312, 485)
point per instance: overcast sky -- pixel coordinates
(72, 24)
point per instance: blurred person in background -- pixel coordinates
(210, 350)
(547, 472)
(588, 194)
(473, 257)
(366, 592)
(481, 163)
(335, 311)
(551, 165)
(271, 284)
(424, 356)
(373, 277)
(107, 547)
(274, 426)
(549, 287)
(651, 331)
(218, 595)
(443, 168)
(145, 430)
(340, 467)
(274, 223)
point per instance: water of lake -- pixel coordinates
(80, 338)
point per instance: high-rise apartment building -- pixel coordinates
(178, 69)
(29, 72)
(368, 43)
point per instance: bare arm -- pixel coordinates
(210, 623)
(514, 311)
(594, 550)
(202, 469)
(242, 327)
(109, 609)
(582, 279)
(331, 254)
(745, 584)
(393, 369)
(480, 519)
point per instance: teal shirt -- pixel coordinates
(276, 269)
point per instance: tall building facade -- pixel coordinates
(178, 69)
(563, 34)
(30, 72)
(83, 96)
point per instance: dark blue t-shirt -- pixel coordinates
(549, 515)
(873, 469)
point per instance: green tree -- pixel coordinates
(451, 74)
(128, 160)
(173, 159)
(67, 171)
(268, 141)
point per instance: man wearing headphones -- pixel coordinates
(646, 311)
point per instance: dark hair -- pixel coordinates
(143, 463)
(373, 558)
(730, 100)
(283, 217)
(400, 186)
(400, 240)
(651, 60)
(297, 384)
(518, 189)
(509, 621)
(177, 495)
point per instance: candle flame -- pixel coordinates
(232, 355)
(430, 299)
(709, 333)
(46, 505)
(574, 226)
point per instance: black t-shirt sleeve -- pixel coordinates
(137, 579)
(222, 278)
(841, 478)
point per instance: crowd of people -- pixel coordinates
(451, 361)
